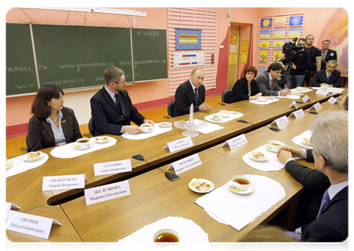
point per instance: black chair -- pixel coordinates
(91, 128)
(227, 97)
(170, 109)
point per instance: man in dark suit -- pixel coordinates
(330, 76)
(111, 107)
(327, 54)
(268, 81)
(191, 92)
(331, 222)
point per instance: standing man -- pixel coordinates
(330, 153)
(327, 54)
(268, 81)
(315, 56)
(111, 107)
(191, 92)
(330, 76)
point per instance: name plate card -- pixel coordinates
(186, 164)
(293, 105)
(333, 100)
(121, 166)
(236, 141)
(107, 192)
(322, 92)
(306, 99)
(316, 107)
(75, 181)
(297, 114)
(30, 224)
(10, 206)
(179, 144)
(280, 122)
(335, 90)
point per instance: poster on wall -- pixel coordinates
(278, 44)
(264, 45)
(280, 21)
(266, 22)
(188, 59)
(277, 56)
(264, 34)
(294, 32)
(295, 21)
(263, 55)
(244, 45)
(188, 39)
(279, 33)
(244, 57)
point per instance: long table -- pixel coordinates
(24, 189)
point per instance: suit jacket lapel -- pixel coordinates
(109, 100)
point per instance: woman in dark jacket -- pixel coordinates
(51, 124)
(246, 88)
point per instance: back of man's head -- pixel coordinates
(330, 138)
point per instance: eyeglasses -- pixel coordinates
(119, 82)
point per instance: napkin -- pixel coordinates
(68, 151)
(19, 165)
(297, 139)
(157, 130)
(272, 164)
(240, 210)
(264, 102)
(191, 234)
(223, 120)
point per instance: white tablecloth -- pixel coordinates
(191, 235)
(157, 130)
(68, 151)
(19, 165)
(272, 164)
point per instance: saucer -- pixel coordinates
(165, 124)
(76, 146)
(150, 130)
(33, 156)
(192, 185)
(102, 140)
(269, 148)
(265, 158)
(249, 190)
(216, 118)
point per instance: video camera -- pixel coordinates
(290, 50)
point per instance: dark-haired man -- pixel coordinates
(327, 54)
(268, 81)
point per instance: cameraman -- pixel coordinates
(299, 63)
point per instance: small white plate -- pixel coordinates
(249, 190)
(306, 142)
(269, 148)
(8, 164)
(27, 157)
(165, 124)
(79, 147)
(255, 159)
(262, 100)
(201, 180)
(216, 118)
(151, 130)
(102, 140)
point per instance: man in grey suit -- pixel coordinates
(268, 81)
(330, 154)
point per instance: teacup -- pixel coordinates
(166, 235)
(224, 113)
(83, 142)
(146, 127)
(275, 144)
(241, 182)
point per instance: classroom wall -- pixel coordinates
(155, 93)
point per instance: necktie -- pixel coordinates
(196, 95)
(324, 53)
(272, 84)
(328, 78)
(324, 203)
(118, 103)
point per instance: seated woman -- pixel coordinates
(246, 88)
(51, 124)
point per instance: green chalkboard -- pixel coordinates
(150, 54)
(20, 69)
(76, 56)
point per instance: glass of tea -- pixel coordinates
(166, 235)
(241, 182)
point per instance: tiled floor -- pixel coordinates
(14, 145)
